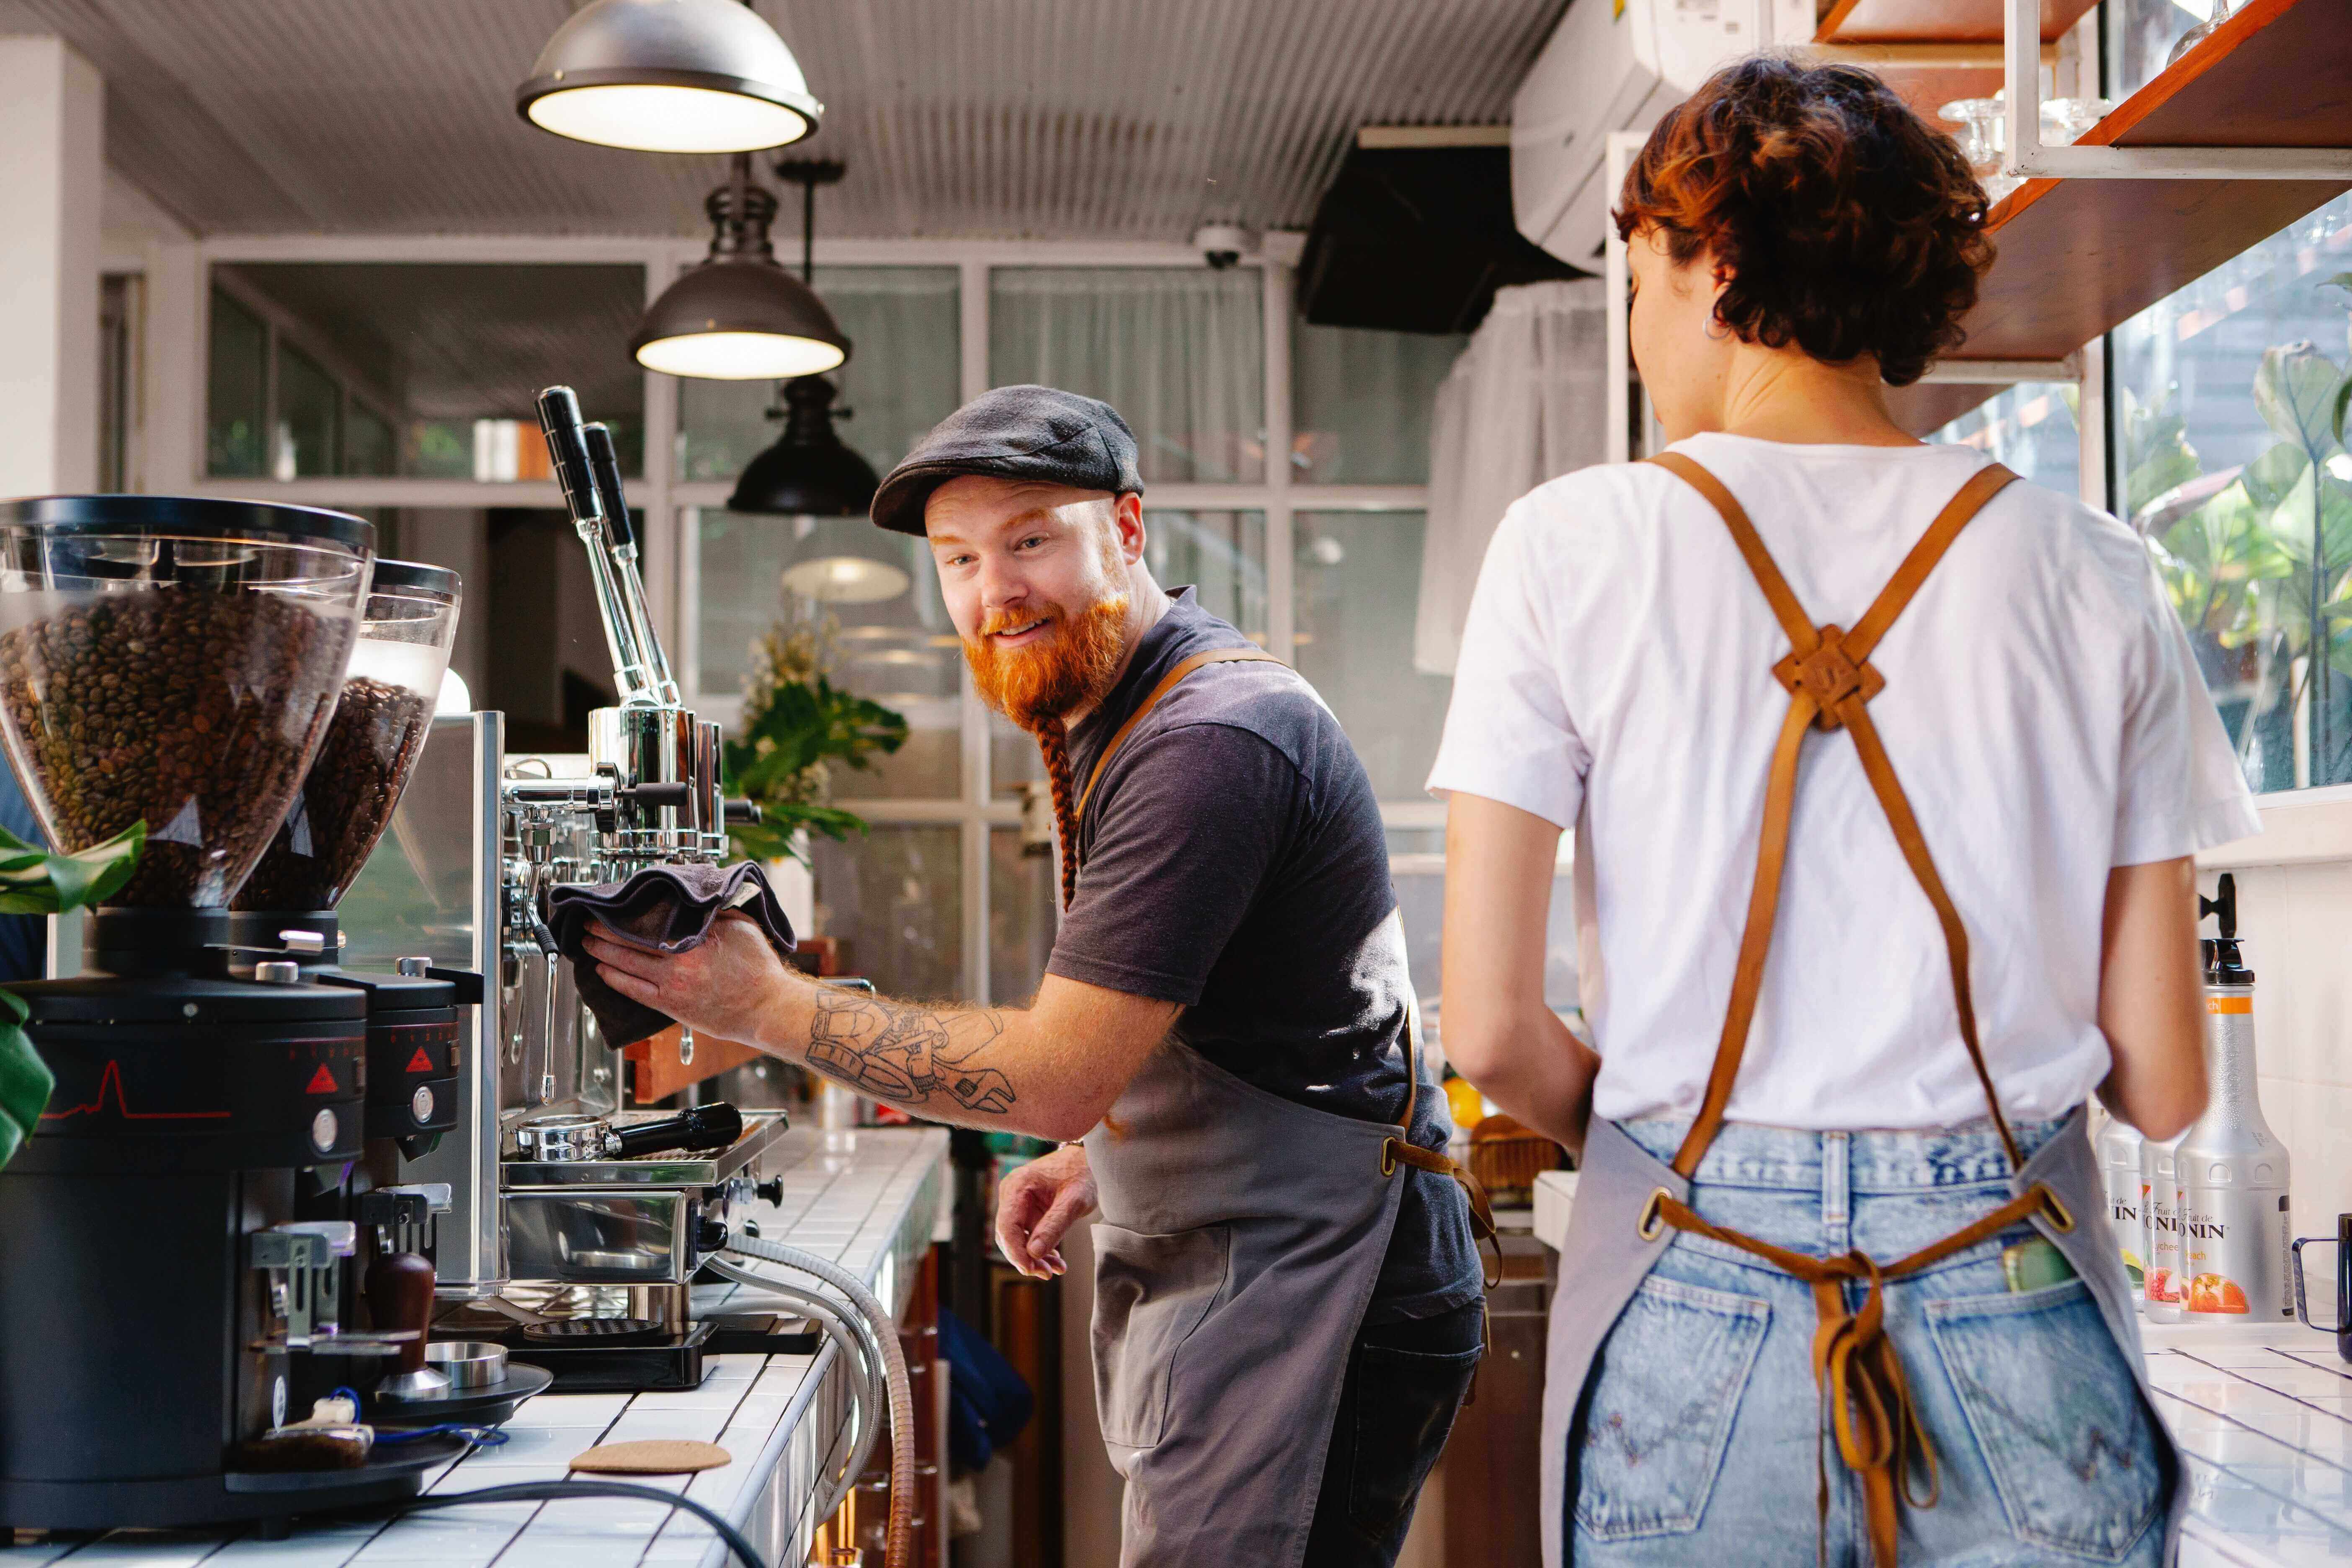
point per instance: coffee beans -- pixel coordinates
(192, 709)
(377, 732)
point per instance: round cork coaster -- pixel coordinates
(665, 1457)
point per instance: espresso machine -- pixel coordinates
(571, 1226)
(176, 1245)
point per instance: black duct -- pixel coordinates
(1417, 239)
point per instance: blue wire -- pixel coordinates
(481, 1436)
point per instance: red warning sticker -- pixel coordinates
(420, 1062)
(322, 1081)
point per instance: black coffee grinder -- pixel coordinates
(168, 1287)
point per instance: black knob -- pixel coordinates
(741, 813)
(771, 1191)
(704, 1127)
(650, 797)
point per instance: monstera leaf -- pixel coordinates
(33, 881)
(2294, 392)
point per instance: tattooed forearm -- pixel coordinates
(909, 1055)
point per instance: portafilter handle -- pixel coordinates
(701, 1128)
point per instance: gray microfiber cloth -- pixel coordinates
(670, 908)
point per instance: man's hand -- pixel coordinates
(1038, 1205)
(732, 987)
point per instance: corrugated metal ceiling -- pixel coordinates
(1018, 118)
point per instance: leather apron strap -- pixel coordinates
(1830, 681)
(1400, 1149)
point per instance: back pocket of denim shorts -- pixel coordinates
(1664, 1391)
(2053, 1408)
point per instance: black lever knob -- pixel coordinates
(704, 1127)
(652, 796)
(741, 813)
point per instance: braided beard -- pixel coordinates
(1074, 667)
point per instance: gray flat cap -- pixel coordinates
(1038, 433)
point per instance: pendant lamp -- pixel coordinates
(808, 472)
(738, 316)
(849, 560)
(669, 76)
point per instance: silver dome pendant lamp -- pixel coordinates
(669, 76)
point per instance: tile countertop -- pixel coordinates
(869, 1201)
(2262, 1413)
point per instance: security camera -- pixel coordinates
(1222, 245)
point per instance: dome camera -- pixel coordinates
(1222, 245)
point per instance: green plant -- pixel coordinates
(33, 881)
(796, 725)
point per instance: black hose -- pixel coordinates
(556, 1491)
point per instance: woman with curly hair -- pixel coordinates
(1886, 771)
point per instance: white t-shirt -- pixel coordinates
(2042, 709)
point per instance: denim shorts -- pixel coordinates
(1696, 1439)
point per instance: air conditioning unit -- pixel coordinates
(1619, 65)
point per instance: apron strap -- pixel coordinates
(1168, 683)
(1830, 681)
(1400, 1148)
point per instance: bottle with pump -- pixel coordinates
(2119, 1156)
(2234, 1169)
(2159, 1203)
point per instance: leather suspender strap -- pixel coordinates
(1396, 1150)
(1830, 682)
(1168, 683)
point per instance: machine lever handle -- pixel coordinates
(650, 796)
(703, 1127)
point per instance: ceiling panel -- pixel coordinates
(1011, 119)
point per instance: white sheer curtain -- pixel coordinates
(1527, 401)
(1178, 352)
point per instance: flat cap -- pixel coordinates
(1036, 433)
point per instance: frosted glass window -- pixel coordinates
(1179, 352)
(1362, 401)
(2031, 429)
(237, 391)
(901, 377)
(901, 651)
(896, 896)
(309, 417)
(1023, 895)
(1357, 579)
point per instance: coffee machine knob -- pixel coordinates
(277, 972)
(412, 968)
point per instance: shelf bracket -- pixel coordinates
(2022, 78)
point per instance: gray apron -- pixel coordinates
(1617, 1228)
(1240, 1239)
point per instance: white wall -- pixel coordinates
(52, 179)
(2297, 923)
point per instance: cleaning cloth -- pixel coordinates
(669, 908)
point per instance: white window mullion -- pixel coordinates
(1280, 622)
(972, 295)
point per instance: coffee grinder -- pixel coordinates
(165, 1281)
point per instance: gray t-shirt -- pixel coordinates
(1234, 862)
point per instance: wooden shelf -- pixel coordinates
(1936, 21)
(2078, 256)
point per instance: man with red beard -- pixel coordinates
(1288, 1307)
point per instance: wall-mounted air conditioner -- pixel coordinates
(1619, 65)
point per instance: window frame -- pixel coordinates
(179, 329)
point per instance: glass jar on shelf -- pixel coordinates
(2197, 34)
(2064, 120)
(1983, 140)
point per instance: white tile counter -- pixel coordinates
(868, 1201)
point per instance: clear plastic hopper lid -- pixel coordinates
(371, 745)
(173, 661)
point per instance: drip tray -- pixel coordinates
(587, 1361)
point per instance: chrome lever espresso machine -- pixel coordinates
(574, 1225)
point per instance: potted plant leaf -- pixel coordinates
(33, 881)
(797, 726)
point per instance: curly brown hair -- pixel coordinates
(1849, 225)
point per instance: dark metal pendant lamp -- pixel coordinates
(738, 316)
(669, 76)
(808, 472)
